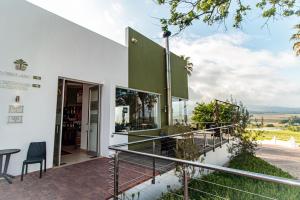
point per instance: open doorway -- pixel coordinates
(77, 122)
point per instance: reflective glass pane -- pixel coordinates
(136, 110)
(179, 111)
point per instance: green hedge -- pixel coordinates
(245, 162)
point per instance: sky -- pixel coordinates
(254, 64)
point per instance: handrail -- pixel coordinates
(212, 122)
(118, 148)
(134, 135)
(174, 135)
(253, 175)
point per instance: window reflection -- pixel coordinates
(179, 111)
(135, 110)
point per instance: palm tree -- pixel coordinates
(296, 37)
(189, 65)
(21, 64)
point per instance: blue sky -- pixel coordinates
(254, 64)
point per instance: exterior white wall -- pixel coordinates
(53, 47)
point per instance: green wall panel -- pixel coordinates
(147, 71)
(179, 77)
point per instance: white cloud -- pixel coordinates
(107, 18)
(224, 67)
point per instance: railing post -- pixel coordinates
(204, 146)
(116, 176)
(228, 133)
(214, 140)
(185, 184)
(153, 162)
(221, 136)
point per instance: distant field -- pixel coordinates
(284, 135)
(273, 118)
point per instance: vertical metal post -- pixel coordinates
(185, 184)
(116, 176)
(204, 143)
(1, 158)
(228, 134)
(166, 35)
(214, 139)
(221, 136)
(153, 162)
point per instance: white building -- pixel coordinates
(69, 70)
(59, 81)
(53, 47)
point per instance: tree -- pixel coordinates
(151, 100)
(185, 149)
(21, 64)
(262, 121)
(296, 37)
(142, 97)
(245, 140)
(184, 12)
(205, 113)
(189, 65)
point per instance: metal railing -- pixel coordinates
(154, 155)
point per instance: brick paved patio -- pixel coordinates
(87, 180)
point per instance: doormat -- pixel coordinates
(65, 152)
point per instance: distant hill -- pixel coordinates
(260, 109)
(256, 109)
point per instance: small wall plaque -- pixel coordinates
(15, 119)
(37, 78)
(36, 85)
(16, 109)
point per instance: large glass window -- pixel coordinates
(179, 111)
(136, 110)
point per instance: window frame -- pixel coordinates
(143, 91)
(185, 105)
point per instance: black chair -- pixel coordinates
(36, 154)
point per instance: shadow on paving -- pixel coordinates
(90, 179)
(161, 165)
(87, 180)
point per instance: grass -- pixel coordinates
(273, 118)
(245, 162)
(284, 135)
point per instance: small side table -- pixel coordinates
(7, 153)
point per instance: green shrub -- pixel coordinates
(270, 125)
(293, 128)
(246, 162)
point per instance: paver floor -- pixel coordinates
(288, 159)
(82, 181)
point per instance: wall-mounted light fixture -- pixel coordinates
(134, 40)
(17, 99)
